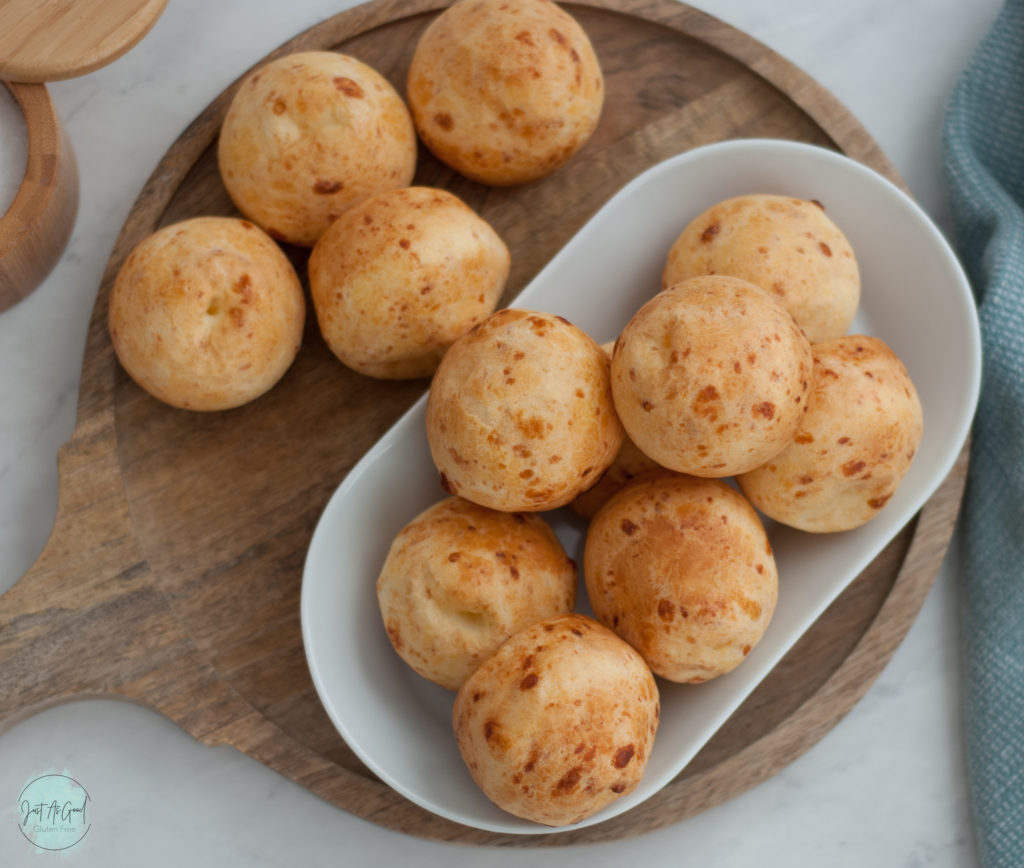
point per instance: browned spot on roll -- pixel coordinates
(244, 288)
(325, 188)
(710, 232)
(628, 527)
(666, 610)
(532, 427)
(395, 636)
(879, 502)
(568, 781)
(825, 248)
(444, 121)
(347, 86)
(752, 608)
(538, 325)
(803, 437)
(454, 556)
(623, 755)
(853, 467)
(765, 409)
(531, 761)
(529, 681)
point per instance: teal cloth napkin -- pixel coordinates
(984, 161)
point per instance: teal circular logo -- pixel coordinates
(54, 812)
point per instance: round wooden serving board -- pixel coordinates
(172, 577)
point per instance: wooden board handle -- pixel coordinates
(88, 619)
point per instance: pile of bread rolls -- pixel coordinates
(318, 150)
(739, 367)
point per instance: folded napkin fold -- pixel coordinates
(984, 160)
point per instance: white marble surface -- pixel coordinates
(887, 787)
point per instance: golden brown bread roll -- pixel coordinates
(505, 92)
(308, 136)
(853, 447)
(520, 414)
(399, 277)
(786, 246)
(460, 579)
(681, 568)
(206, 314)
(710, 377)
(559, 721)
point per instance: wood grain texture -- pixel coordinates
(172, 577)
(50, 40)
(36, 227)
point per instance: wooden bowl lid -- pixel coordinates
(50, 40)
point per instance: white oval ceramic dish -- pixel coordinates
(915, 297)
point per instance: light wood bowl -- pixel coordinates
(36, 228)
